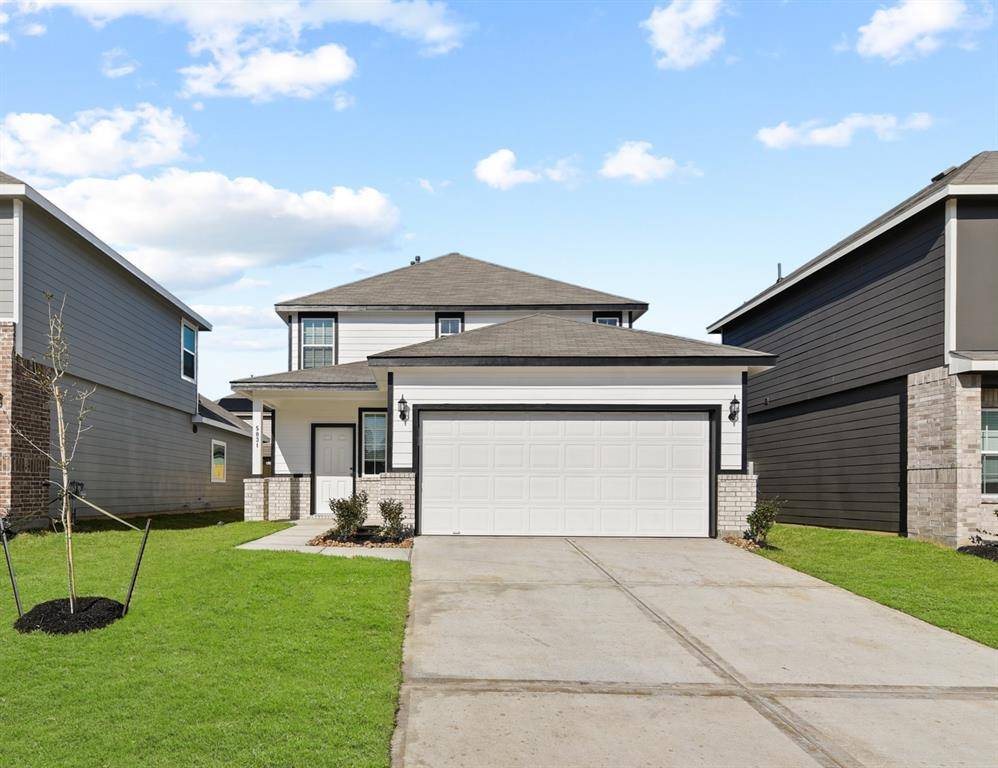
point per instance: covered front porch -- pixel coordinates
(330, 433)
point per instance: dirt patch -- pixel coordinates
(742, 543)
(986, 551)
(53, 617)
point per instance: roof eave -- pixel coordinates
(951, 190)
(29, 193)
(258, 386)
(757, 361)
(283, 309)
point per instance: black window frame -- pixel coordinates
(447, 316)
(302, 317)
(607, 315)
(362, 414)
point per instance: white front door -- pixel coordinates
(333, 476)
(565, 474)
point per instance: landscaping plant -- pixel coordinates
(393, 528)
(350, 514)
(761, 520)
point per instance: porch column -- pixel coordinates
(257, 437)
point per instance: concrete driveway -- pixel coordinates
(629, 652)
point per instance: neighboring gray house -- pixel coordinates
(242, 408)
(883, 410)
(154, 446)
(491, 401)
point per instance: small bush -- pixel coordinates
(350, 515)
(393, 528)
(761, 519)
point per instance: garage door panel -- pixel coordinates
(619, 474)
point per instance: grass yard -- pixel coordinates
(951, 590)
(226, 658)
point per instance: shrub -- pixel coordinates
(350, 515)
(760, 520)
(393, 528)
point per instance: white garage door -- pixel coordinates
(565, 474)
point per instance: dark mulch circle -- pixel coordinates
(53, 617)
(987, 551)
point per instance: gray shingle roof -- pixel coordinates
(6, 178)
(211, 410)
(546, 339)
(459, 281)
(982, 168)
(347, 376)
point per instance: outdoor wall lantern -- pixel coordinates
(733, 410)
(403, 409)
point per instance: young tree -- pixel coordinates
(49, 377)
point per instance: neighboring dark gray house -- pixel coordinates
(154, 446)
(882, 412)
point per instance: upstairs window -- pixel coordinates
(188, 351)
(450, 323)
(989, 451)
(374, 443)
(608, 318)
(318, 342)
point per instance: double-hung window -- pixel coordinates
(188, 351)
(374, 442)
(989, 451)
(318, 342)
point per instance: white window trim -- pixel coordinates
(185, 324)
(363, 460)
(225, 463)
(304, 346)
(987, 496)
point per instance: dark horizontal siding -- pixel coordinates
(836, 461)
(874, 315)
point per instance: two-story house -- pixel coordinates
(883, 410)
(154, 444)
(493, 401)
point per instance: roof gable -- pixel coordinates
(548, 340)
(461, 282)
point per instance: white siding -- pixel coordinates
(366, 333)
(633, 385)
(294, 419)
(473, 320)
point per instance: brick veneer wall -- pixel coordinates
(944, 456)
(24, 471)
(282, 497)
(736, 498)
(394, 485)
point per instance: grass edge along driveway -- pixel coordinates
(952, 590)
(227, 657)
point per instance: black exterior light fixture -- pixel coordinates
(403, 409)
(733, 410)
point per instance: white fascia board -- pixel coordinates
(959, 364)
(23, 190)
(953, 190)
(221, 425)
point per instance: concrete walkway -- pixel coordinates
(625, 652)
(297, 538)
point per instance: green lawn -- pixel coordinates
(227, 658)
(951, 590)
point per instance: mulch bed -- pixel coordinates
(742, 543)
(986, 551)
(367, 537)
(53, 617)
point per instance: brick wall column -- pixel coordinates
(24, 471)
(736, 498)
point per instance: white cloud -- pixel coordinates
(239, 316)
(265, 74)
(426, 185)
(914, 28)
(117, 63)
(34, 30)
(243, 39)
(634, 160)
(95, 142)
(343, 100)
(203, 229)
(683, 33)
(813, 133)
(499, 171)
(564, 171)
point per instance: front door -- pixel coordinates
(333, 466)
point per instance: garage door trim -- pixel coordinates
(713, 412)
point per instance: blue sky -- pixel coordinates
(244, 153)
